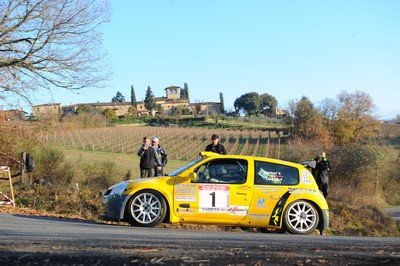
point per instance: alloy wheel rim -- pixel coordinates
(145, 208)
(302, 216)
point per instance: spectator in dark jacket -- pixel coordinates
(215, 146)
(161, 157)
(320, 172)
(148, 159)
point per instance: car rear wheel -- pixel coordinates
(147, 208)
(301, 217)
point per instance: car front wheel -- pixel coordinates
(301, 217)
(147, 208)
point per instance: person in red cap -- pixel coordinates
(215, 146)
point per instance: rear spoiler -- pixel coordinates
(310, 164)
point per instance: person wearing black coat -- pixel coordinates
(215, 146)
(148, 159)
(161, 157)
(320, 172)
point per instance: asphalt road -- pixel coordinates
(30, 240)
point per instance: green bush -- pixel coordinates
(389, 174)
(52, 167)
(57, 194)
(355, 165)
(83, 204)
(100, 176)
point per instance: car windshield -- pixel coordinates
(186, 166)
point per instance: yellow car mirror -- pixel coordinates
(192, 176)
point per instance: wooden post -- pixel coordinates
(11, 187)
(279, 145)
(22, 168)
(6, 171)
(267, 149)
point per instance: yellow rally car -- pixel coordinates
(231, 190)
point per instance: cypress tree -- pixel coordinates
(118, 98)
(149, 102)
(186, 88)
(133, 96)
(183, 93)
(221, 100)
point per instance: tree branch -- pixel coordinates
(51, 44)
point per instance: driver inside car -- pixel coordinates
(215, 172)
(233, 174)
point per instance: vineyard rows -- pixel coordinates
(180, 143)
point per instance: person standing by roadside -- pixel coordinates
(215, 146)
(147, 158)
(161, 157)
(320, 172)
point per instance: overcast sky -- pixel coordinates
(285, 48)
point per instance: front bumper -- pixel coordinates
(114, 206)
(114, 201)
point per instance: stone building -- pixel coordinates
(206, 108)
(46, 109)
(171, 99)
(121, 109)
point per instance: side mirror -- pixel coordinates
(192, 176)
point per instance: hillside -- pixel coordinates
(180, 143)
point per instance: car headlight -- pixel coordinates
(117, 188)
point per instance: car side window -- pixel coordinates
(228, 171)
(275, 174)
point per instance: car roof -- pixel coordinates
(257, 158)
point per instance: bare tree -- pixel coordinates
(50, 44)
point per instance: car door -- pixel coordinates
(223, 190)
(273, 184)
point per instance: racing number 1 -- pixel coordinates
(212, 199)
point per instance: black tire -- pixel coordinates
(146, 208)
(301, 217)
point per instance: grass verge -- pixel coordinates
(123, 162)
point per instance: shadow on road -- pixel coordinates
(58, 219)
(67, 220)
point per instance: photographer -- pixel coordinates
(320, 172)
